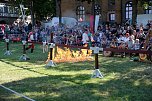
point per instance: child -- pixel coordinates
(137, 45)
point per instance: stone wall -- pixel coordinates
(69, 9)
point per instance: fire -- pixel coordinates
(65, 54)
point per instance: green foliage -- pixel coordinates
(145, 3)
(44, 8)
(41, 8)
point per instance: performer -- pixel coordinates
(30, 41)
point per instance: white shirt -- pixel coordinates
(85, 38)
(121, 39)
(126, 39)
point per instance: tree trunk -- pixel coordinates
(58, 10)
(134, 13)
(32, 14)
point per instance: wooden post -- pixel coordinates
(96, 73)
(24, 56)
(7, 45)
(51, 46)
(51, 49)
(51, 38)
(96, 62)
(24, 50)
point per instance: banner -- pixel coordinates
(91, 23)
(96, 22)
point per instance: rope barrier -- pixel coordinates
(128, 51)
(21, 95)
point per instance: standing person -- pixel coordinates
(30, 26)
(7, 31)
(47, 30)
(85, 38)
(30, 40)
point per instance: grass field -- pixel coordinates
(124, 80)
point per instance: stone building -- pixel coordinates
(118, 11)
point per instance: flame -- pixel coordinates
(68, 55)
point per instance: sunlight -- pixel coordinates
(111, 76)
(100, 93)
(137, 83)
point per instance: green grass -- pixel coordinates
(123, 80)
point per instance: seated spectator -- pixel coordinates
(130, 43)
(113, 44)
(121, 39)
(126, 37)
(137, 45)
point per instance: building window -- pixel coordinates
(148, 7)
(80, 11)
(148, 11)
(128, 10)
(97, 9)
(5, 9)
(1, 9)
(112, 17)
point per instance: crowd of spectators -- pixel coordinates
(115, 36)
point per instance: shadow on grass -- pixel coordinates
(78, 88)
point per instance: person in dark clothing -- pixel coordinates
(30, 26)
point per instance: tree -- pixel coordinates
(44, 8)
